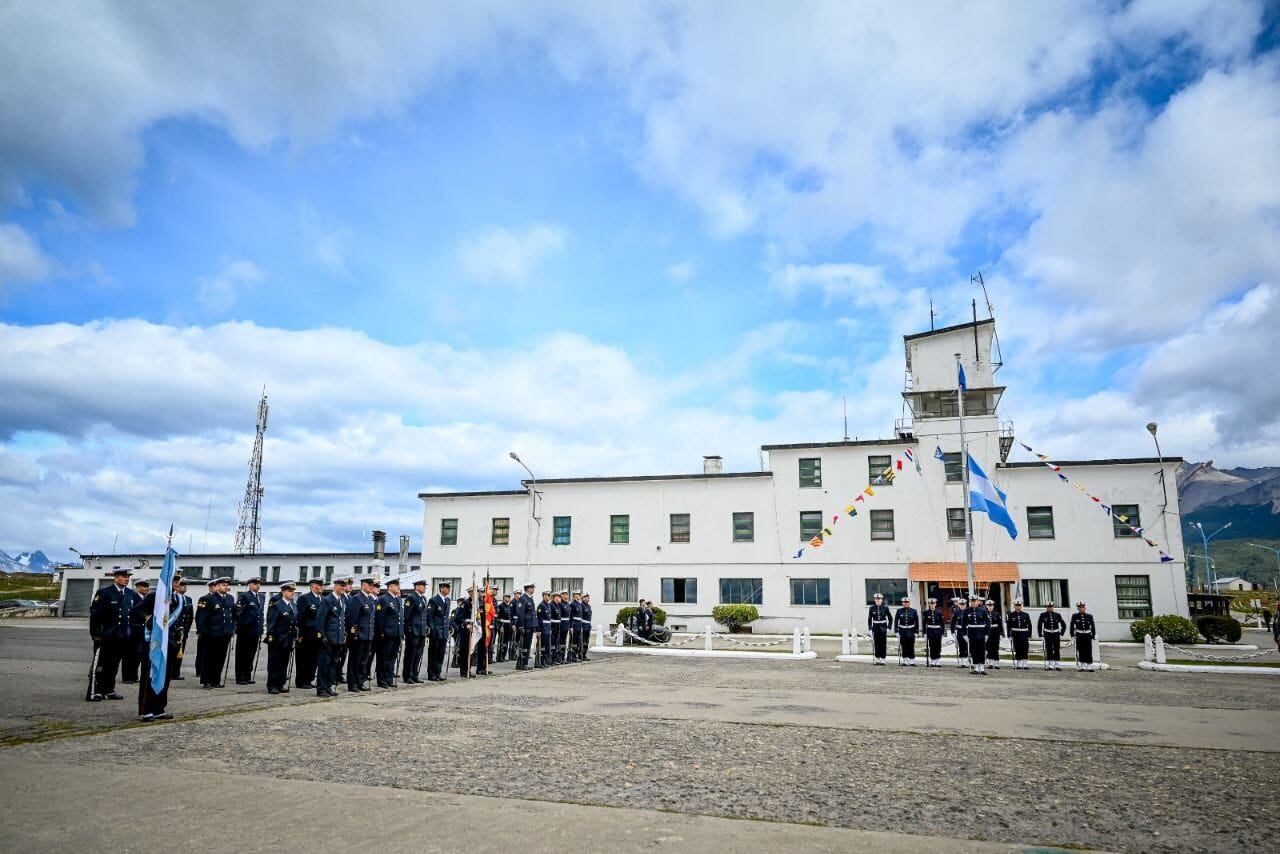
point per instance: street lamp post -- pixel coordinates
(532, 487)
(1164, 510)
(1277, 551)
(1210, 574)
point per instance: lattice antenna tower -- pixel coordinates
(249, 529)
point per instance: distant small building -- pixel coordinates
(1235, 582)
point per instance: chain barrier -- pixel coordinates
(728, 639)
(671, 643)
(693, 637)
(1246, 657)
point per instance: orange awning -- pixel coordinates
(982, 572)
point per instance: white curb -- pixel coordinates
(1209, 668)
(701, 653)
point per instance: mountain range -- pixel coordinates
(1248, 499)
(26, 562)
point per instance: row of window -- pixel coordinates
(273, 573)
(880, 525)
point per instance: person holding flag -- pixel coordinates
(155, 620)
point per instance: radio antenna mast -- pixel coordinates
(249, 530)
(998, 362)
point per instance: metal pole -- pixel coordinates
(964, 480)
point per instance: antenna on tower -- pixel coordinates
(977, 279)
(249, 530)
(932, 314)
(846, 417)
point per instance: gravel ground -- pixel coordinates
(500, 743)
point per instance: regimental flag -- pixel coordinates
(158, 652)
(985, 497)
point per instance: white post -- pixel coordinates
(1148, 649)
(808, 640)
(1097, 654)
(795, 641)
(1160, 656)
(844, 642)
(600, 634)
(618, 639)
(853, 641)
(706, 644)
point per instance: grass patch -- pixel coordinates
(28, 586)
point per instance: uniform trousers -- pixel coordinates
(435, 656)
(1084, 649)
(278, 653)
(1053, 647)
(357, 651)
(328, 661)
(1021, 644)
(907, 643)
(544, 652)
(215, 659)
(978, 646)
(934, 643)
(175, 658)
(388, 651)
(308, 651)
(526, 644)
(414, 647)
(110, 652)
(246, 653)
(993, 645)
(962, 644)
(879, 642)
(150, 702)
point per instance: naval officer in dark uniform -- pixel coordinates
(1083, 631)
(282, 634)
(308, 640)
(524, 616)
(331, 634)
(359, 634)
(388, 615)
(586, 627)
(935, 626)
(250, 614)
(545, 630)
(1050, 627)
(182, 627)
(959, 613)
(878, 621)
(415, 632)
(977, 621)
(216, 620)
(906, 623)
(1020, 635)
(994, 633)
(438, 608)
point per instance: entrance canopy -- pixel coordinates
(983, 573)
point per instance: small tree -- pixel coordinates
(1219, 629)
(624, 614)
(734, 617)
(1171, 627)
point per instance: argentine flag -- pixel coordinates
(984, 497)
(161, 619)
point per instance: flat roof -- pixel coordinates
(851, 443)
(1121, 461)
(969, 325)
(633, 478)
(234, 556)
(474, 494)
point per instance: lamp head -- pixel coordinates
(1151, 428)
(513, 455)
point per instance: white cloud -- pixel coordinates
(859, 283)
(681, 272)
(217, 294)
(21, 259)
(510, 255)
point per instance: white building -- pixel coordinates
(274, 568)
(692, 541)
(1236, 583)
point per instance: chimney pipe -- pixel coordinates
(379, 544)
(712, 465)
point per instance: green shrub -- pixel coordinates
(1171, 627)
(1219, 629)
(659, 615)
(734, 617)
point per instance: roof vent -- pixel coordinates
(713, 465)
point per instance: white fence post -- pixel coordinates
(600, 634)
(795, 641)
(706, 645)
(1148, 648)
(619, 637)
(1097, 654)
(853, 641)
(844, 641)
(808, 640)
(1160, 656)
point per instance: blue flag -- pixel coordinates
(938, 455)
(160, 622)
(984, 497)
(963, 385)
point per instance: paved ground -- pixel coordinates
(643, 752)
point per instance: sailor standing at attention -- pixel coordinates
(976, 622)
(959, 615)
(1020, 635)
(934, 628)
(878, 620)
(906, 623)
(1050, 628)
(1083, 632)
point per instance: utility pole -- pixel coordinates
(249, 530)
(964, 476)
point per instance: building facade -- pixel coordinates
(689, 542)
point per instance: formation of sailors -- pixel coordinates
(977, 629)
(335, 637)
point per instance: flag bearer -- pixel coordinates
(994, 634)
(906, 623)
(1020, 635)
(976, 623)
(282, 634)
(934, 628)
(152, 704)
(1050, 628)
(415, 632)
(308, 638)
(959, 615)
(878, 620)
(1083, 632)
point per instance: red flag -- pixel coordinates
(899, 465)
(489, 613)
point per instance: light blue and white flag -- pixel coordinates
(160, 620)
(984, 497)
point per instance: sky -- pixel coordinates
(611, 237)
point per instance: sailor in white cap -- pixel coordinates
(524, 616)
(1020, 635)
(935, 626)
(1050, 628)
(1083, 632)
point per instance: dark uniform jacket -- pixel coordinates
(524, 612)
(461, 617)
(282, 622)
(545, 616)
(307, 604)
(143, 615)
(502, 613)
(111, 611)
(415, 615)
(359, 616)
(997, 623)
(575, 615)
(249, 608)
(185, 619)
(977, 620)
(1020, 622)
(958, 617)
(906, 620)
(933, 621)
(331, 619)
(438, 616)
(1050, 624)
(388, 615)
(1082, 625)
(586, 616)
(215, 615)
(878, 618)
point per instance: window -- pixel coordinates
(448, 532)
(1040, 523)
(810, 591)
(892, 588)
(681, 591)
(621, 589)
(275, 575)
(302, 574)
(562, 529)
(504, 585)
(500, 534)
(811, 472)
(955, 523)
(876, 467)
(679, 527)
(810, 524)
(619, 532)
(262, 573)
(742, 591)
(192, 571)
(359, 570)
(573, 585)
(328, 574)
(222, 572)
(951, 462)
(1038, 592)
(1133, 596)
(744, 527)
(315, 572)
(1130, 512)
(946, 404)
(455, 590)
(882, 524)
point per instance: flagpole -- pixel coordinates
(964, 480)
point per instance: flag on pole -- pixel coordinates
(964, 386)
(158, 652)
(909, 455)
(938, 455)
(985, 497)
